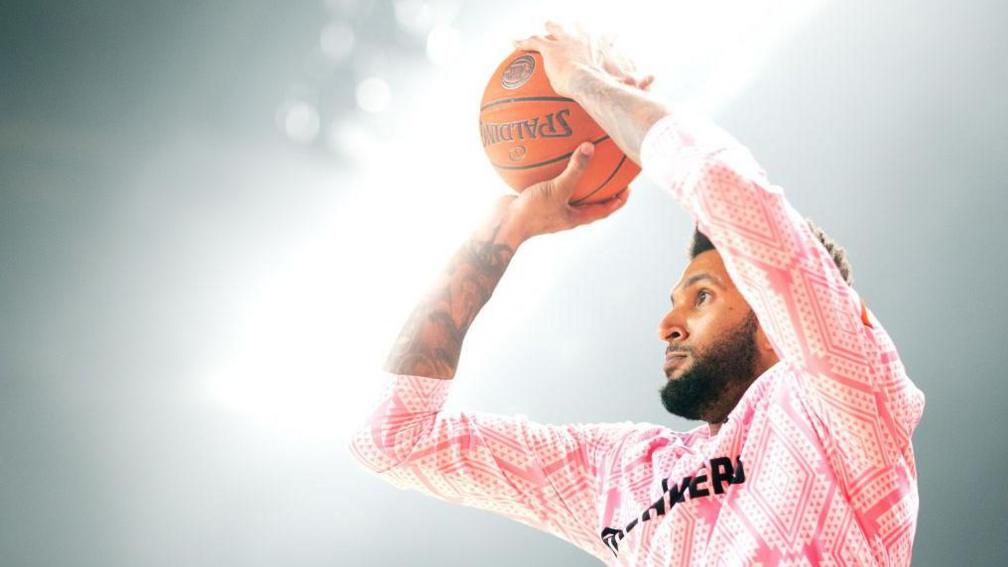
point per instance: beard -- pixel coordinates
(711, 386)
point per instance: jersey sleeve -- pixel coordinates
(852, 377)
(545, 476)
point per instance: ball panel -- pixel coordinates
(609, 172)
(513, 165)
(521, 179)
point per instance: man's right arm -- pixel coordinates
(504, 464)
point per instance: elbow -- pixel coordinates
(364, 451)
(379, 446)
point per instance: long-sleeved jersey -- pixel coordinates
(814, 466)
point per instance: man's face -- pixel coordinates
(711, 357)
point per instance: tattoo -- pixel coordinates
(431, 340)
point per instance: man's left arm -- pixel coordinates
(815, 321)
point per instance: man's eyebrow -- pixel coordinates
(696, 278)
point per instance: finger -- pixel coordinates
(642, 82)
(576, 166)
(555, 28)
(625, 73)
(531, 43)
(583, 214)
(611, 67)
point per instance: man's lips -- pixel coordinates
(673, 360)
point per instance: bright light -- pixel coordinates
(703, 54)
(354, 141)
(443, 45)
(373, 94)
(300, 121)
(414, 16)
(318, 333)
(337, 41)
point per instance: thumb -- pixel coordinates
(576, 167)
(584, 214)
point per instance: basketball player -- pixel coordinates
(805, 456)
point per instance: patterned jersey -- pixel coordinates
(814, 466)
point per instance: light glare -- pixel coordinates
(443, 45)
(300, 122)
(337, 41)
(373, 95)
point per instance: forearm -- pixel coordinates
(431, 340)
(626, 113)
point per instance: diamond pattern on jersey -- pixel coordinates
(824, 435)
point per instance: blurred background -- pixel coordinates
(214, 217)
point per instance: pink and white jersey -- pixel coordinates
(814, 467)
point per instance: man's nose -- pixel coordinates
(670, 330)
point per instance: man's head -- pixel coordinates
(716, 346)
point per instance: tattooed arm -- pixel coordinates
(431, 340)
(505, 464)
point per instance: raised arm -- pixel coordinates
(431, 340)
(508, 465)
(857, 386)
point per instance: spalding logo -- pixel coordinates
(518, 72)
(517, 153)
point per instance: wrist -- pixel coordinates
(505, 226)
(585, 80)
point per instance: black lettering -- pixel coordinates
(721, 472)
(528, 127)
(485, 134)
(694, 489)
(553, 125)
(676, 493)
(739, 471)
(549, 128)
(611, 538)
(567, 130)
(658, 507)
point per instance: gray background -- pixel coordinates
(147, 192)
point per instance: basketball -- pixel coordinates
(529, 132)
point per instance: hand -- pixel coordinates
(545, 207)
(565, 54)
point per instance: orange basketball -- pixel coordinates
(529, 133)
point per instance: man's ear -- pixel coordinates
(762, 342)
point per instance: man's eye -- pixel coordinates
(702, 295)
